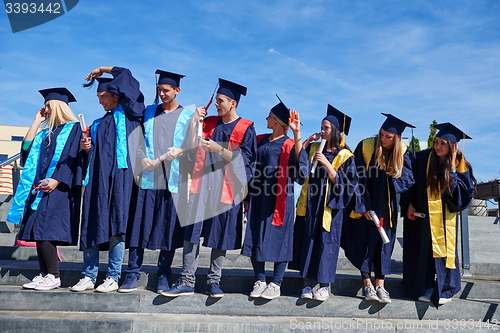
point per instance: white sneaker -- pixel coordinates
(321, 294)
(443, 300)
(271, 292)
(427, 296)
(307, 293)
(258, 288)
(107, 286)
(84, 284)
(383, 295)
(34, 283)
(49, 282)
(370, 293)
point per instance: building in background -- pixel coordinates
(11, 138)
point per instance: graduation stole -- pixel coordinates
(121, 140)
(181, 126)
(368, 149)
(235, 140)
(280, 205)
(29, 172)
(443, 228)
(337, 162)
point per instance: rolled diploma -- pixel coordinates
(321, 147)
(83, 125)
(380, 229)
(36, 188)
(161, 158)
(200, 128)
(417, 214)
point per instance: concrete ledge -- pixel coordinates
(24, 322)
(143, 302)
(240, 281)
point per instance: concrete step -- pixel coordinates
(233, 258)
(66, 322)
(7, 239)
(240, 280)
(235, 304)
(234, 279)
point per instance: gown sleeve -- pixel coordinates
(341, 193)
(406, 180)
(406, 185)
(127, 88)
(298, 170)
(69, 169)
(463, 191)
(25, 151)
(362, 200)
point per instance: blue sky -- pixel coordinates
(418, 60)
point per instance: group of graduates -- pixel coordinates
(164, 176)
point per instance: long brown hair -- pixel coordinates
(439, 178)
(392, 162)
(334, 142)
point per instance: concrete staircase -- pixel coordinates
(475, 308)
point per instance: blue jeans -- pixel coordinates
(91, 259)
(260, 271)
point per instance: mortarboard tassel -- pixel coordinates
(157, 98)
(413, 144)
(461, 165)
(89, 84)
(342, 139)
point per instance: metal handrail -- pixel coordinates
(10, 160)
(463, 222)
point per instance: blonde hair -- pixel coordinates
(285, 126)
(60, 114)
(391, 163)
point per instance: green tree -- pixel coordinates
(415, 144)
(432, 134)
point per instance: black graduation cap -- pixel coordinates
(170, 78)
(341, 121)
(394, 125)
(103, 83)
(450, 132)
(281, 112)
(231, 90)
(59, 94)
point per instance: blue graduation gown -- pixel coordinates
(58, 215)
(155, 224)
(361, 239)
(419, 266)
(221, 224)
(315, 250)
(263, 241)
(106, 202)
